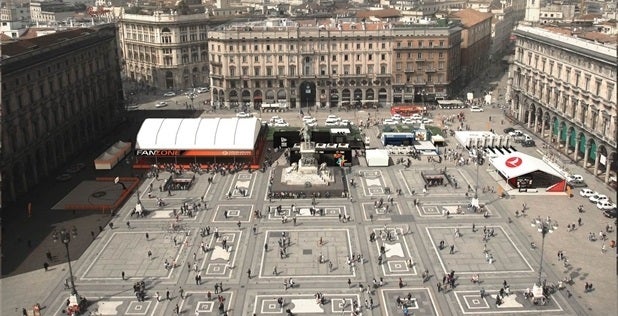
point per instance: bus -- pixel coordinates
(407, 110)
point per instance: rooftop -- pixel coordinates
(29, 44)
(470, 17)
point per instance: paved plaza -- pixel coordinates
(248, 255)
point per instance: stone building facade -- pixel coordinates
(328, 63)
(167, 51)
(60, 93)
(563, 87)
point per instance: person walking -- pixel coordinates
(149, 254)
(452, 250)
(158, 297)
(181, 291)
(167, 295)
(147, 237)
(45, 266)
(249, 273)
(123, 275)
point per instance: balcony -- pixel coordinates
(409, 70)
(420, 60)
(430, 70)
(383, 75)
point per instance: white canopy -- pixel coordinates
(198, 133)
(377, 157)
(518, 164)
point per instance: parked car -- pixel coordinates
(575, 177)
(476, 109)
(605, 205)
(281, 124)
(345, 123)
(596, 197)
(416, 116)
(309, 119)
(243, 114)
(169, 94)
(427, 121)
(203, 90)
(516, 132)
(409, 121)
(577, 184)
(528, 143)
(331, 122)
(312, 124)
(389, 121)
(610, 213)
(508, 130)
(397, 117)
(275, 118)
(333, 117)
(585, 192)
(161, 104)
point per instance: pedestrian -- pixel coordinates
(45, 266)
(167, 295)
(349, 283)
(182, 292)
(24, 312)
(177, 309)
(150, 254)
(147, 237)
(158, 296)
(249, 273)
(579, 221)
(238, 224)
(128, 224)
(452, 251)
(275, 270)
(123, 275)
(603, 248)
(92, 234)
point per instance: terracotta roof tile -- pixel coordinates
(385, 13)
(470, 17)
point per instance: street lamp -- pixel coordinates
(65, 238)
(543, 227)
(479, 156)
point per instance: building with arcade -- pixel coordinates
(200, 141)
(563, 87)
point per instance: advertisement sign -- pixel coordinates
(191, 153)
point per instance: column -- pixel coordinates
(566, 142)
(596, 162)
(536, 121)
(543, 127)
(529, 124)
(608, 164)
(586, 155)
(576, 149)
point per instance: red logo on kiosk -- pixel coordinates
(513, 162)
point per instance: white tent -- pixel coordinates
(108, 159)
(518, 164)
(377, 158)
(198, 134)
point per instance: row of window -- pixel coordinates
(281, 48)
(567, 74)
(421, 44)
(306, 70)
